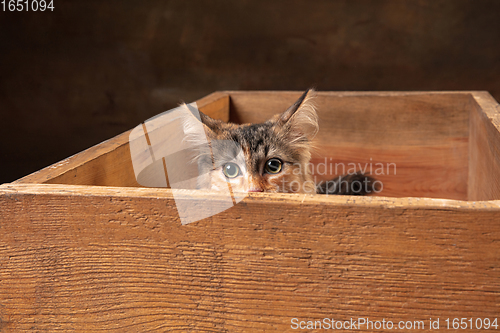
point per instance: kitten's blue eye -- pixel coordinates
(231, 170)
(273, 166)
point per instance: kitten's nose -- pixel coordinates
(255, 189)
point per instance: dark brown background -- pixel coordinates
(74, 77)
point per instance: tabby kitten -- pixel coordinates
(269, 157)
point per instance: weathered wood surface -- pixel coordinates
(109, 163)
(484, 149)
(107, 258)
(438, 171)
(368, 118)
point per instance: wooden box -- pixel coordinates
(83, 248)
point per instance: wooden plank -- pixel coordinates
(90, 258)
(484, 148)
(437, 171)
(73, 168)
(368, 118)
(109, 163)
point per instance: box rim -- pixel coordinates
(10, 190)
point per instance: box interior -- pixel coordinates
(435, 145)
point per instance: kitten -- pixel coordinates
(269, 157)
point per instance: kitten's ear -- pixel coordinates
(211, 125)
(301, 120)
(198, 126)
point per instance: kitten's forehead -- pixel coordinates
(258, 142)
(254, 137)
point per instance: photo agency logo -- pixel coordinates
(172, 150)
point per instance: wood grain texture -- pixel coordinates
(109, 163)
(78, 258)
(484, 148)
(437, 171)
(367, 118)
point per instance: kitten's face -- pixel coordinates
(269, 157)
(266, 161)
